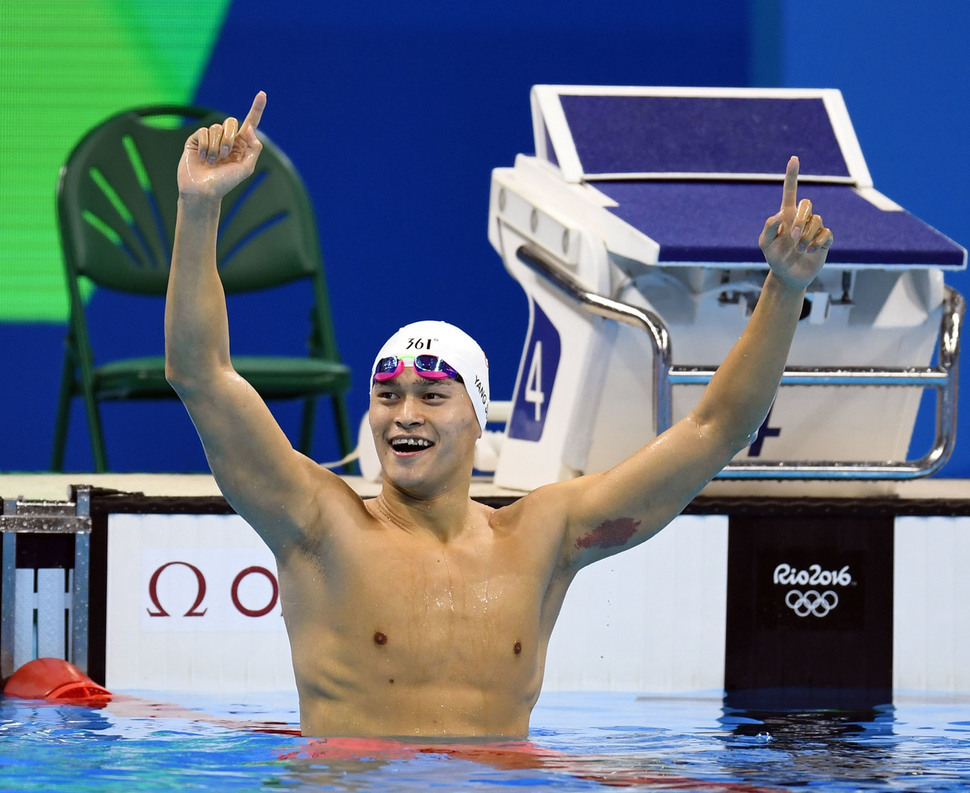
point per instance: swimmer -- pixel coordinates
(421, 612)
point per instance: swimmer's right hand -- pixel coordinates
(218, 158)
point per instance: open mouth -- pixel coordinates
(410, 445)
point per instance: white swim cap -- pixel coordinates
(453, 346)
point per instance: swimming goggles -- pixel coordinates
(428, 366)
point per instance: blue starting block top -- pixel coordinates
(699, 170)
(697, 222)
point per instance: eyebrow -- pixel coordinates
(445, 382)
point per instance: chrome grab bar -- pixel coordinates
(943, 377)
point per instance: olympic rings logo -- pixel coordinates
(811, 602)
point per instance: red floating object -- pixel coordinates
(55, 679)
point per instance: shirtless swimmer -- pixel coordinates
(422, 612)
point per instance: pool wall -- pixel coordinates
(184, 595)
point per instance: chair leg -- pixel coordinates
(62, 418)
(96, 433)
(344, 435)
(307, 425)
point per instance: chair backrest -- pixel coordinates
(117, 198)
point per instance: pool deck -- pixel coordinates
(57, 487)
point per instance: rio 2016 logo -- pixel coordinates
(811, 602)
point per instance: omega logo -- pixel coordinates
(196, 610)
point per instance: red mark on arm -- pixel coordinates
(609, 534)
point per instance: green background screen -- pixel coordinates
(58, 84)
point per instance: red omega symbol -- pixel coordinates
(272, 601)
(194, 611)
(200, 591)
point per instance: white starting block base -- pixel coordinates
(585, 394)
(893, 322)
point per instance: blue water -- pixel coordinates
(582, 742)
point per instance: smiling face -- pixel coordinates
(424, 431)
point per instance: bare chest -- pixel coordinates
(455, 602)
(424, 612)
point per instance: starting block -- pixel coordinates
(44, 581)
(633, 231)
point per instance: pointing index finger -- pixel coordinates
(790, 190)
(255, 112)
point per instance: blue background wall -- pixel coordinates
(396, 114)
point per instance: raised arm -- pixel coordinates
(606, 512)
(262, 476)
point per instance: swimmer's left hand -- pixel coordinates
(794, 241)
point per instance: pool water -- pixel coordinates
(579, 742)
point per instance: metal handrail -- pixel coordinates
(943, 377)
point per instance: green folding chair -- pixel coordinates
(116, 205)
